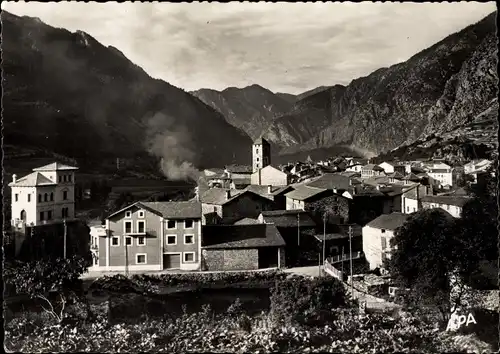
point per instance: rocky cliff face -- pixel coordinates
(251, 108)
(439, 88)
(67, 93)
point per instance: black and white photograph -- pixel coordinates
(250, 177)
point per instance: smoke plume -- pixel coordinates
(365, 153)
(172, 143)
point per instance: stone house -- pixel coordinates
(274, 193)
(221, 205)
(242, 247)
(150, 236)
(411, 199)
(270, 175)
(377, 235)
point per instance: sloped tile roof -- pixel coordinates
(304, 192)
(389, 221)
(459, 201)
(288, 218)
(247, 221)
(239, 168)
(55, 166)
(372, 167)
(263, 190)
(176, 210)
(34, 179)
(217, 196)
(241, 236)
(331, 181)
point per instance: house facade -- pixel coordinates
(371, 170)
(377, 236)
(452, 204)
(45, 196)
(229, 205)
(270, 175)
(242, 247)
(151, 236)
(273, 193)
(441, 173)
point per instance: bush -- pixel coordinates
(299, 300)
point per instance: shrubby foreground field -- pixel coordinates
(304, 315)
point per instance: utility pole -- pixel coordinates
(298, 229)
(350, 256)
(126, 256)
(324, 237)
(342, 260)
(65, 235)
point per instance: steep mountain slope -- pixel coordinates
(287, 97)
(251, 108)
(303, 95)
(398, 104)
(67, 93)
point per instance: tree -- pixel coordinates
(40, 278)
(464, 180)
(424, 258)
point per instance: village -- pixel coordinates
(337, 215)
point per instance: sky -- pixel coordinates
(285, 47)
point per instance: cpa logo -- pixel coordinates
(456, 321)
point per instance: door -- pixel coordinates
(171, 261)
(23, 216)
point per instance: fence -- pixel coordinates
(345, 257)
(330, 269)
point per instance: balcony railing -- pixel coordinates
(344, 257)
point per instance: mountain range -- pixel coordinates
(67, 93)
(439, 90)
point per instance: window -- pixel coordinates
(45, 197)
(141, 241)
(171, 224)
(383, 231)
(188, 224)
(69, 178)
(414, 209)
(384, 243)
(171, 239)
(39, 198)
(60, 179)
(188, 239)
(115, 241)
(17, 197)
(407, 209)
(141, 213)
(141, 258)
(29, 198)
(188, 257)
(128, 214)
(49, 215)
(42, 215)
(128, 241)
(51, 196)
(141, 227)
(257, 159)
(65, 195)
(128, 227)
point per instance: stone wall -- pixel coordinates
(237, 259)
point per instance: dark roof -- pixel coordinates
(329, 237)
(392, 191)
(304, 192)
(217, 196)
(288, 218)
(263, 190)
(239, 181)
(169, 210)
(439, 170)
(241, 236)
(411, 177)
(260, 141)
(247, 221)
(239, 168)
(331, 181)
(372, 167)
(389, 221)
(395, 175)
(175, 210)
(446, 199)
(365, 191)
(457, 192)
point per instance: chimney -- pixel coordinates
(228, 194)
(14, 178)
(378, 187)
(269, 189)
(197, 193)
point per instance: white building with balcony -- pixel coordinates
(45, 196)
